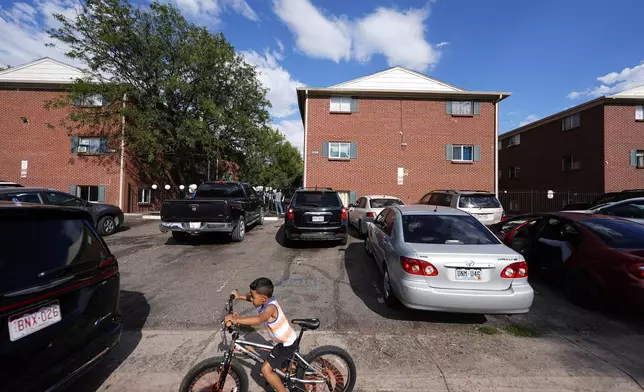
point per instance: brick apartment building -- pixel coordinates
(399, 132)
(35, 153)
(592, 148)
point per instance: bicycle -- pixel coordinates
(301, 373)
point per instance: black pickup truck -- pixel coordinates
(217, 207)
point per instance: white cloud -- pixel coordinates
(613, 82)
(529, 119)
(444, 43)
(210, 10)
(280, 45)
(397, 35)
(279, 82)
(293, 130)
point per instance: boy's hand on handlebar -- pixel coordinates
(237, 295)
(231, 318)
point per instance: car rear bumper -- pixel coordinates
(204, 227)
(316, 233)
(418, 295)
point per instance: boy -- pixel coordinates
(280, 331)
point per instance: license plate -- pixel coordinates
(317, 219)
(468, 274)
(34, 320)
(484, 216)
(195, 225)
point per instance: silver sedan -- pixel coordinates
(367, 208)
(443, 259)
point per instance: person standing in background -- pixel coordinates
(279, 209)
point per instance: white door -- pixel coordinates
(344, 196)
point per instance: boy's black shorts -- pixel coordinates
(280, 355)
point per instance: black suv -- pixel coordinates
(316, 215)
(59, 308)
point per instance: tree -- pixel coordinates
(186, 96)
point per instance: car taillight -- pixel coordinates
(417, 267)
(343, 215)
(108, 262)
(637, 270)
(515, 270)
(290, 214)
(371, 214)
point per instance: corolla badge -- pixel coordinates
(469, 263)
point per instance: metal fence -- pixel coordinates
(525, 202)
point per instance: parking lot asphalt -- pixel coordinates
(172, 302)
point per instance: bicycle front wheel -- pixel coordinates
(333, 363)
(205, 375)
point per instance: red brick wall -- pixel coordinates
(540, 152)
(622, 134)
(376, 129)
(48, 150)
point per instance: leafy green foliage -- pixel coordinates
(185, 95)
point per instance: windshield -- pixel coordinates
(222, 190)
(446, 229)
(384, 203)
(478, 201)
(317, 199)
(617, 233)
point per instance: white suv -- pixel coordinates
(481, 204)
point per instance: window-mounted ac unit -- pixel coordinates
(82, 148)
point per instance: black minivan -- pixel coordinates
(59, 296)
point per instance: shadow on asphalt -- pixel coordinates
(135, 310)
(255, 369)
(280, 238)
(365, 279)
(353, 232)
(121, 229)
(209, 238)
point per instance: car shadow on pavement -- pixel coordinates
(121, 229)
(365, 279)
(135, 310)
(280, 238)
(255, 369)
(353, 232)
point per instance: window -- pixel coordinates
(340, 150)
(381, 218)
(146, 196)
(382, 203)
(637, 158)
(570, 122)
(617, 233)
(463, 108)
(317, 199)
(570, 163)
(633, 209)
(220, 190)
(514, 172)
(389, 222)
(462, 153)
(89, 145)
(514, 140)
(88, 192)
(446, 229)
(63, 199)
(479, 201)
(22, 197)
(343, 105)
(362, 202)
(89, 100)
(639, 113)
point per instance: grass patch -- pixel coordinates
(488, 330)
(521, 331)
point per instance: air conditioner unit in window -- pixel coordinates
(82, 149)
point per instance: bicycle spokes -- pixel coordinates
(333, 369)
(210, 381)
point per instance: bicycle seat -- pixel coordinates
(311, 324)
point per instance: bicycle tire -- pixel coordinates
(214, 363)
(332, 350)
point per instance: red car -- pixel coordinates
(594, 257)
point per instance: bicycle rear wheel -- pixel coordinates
(332, 362)
(204, 375)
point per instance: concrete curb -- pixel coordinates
(271, 218)
(152, 217)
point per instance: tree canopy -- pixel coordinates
(187, 97)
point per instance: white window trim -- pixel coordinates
(461, 146)
(471, 113)
(340, 144)
(89, 100)
(639, 113)
(78, 192)
(342, 103)
(146, 192)
(639, 154)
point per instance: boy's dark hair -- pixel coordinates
(262, 286)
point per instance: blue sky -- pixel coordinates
(550, 54)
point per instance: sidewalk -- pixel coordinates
(418, 362)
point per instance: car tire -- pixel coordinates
(239, 232)
(583, 290)
(344, 240)
(361, 229)
(260, 221)
(367, 247)
(180, 236)
(387, 291)
(107, 225)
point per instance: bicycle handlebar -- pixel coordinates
(229, 310)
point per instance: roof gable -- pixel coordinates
(636, 92)
(44, 70)
(396, 79)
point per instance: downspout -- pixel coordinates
(306, 127)
(122, 170)
(496, 146)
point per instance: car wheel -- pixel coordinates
(239, 232)
(344, 240)
(387, 291)
(107, 225)
(180, 236)
(582, 289)
(361, 228)
(261, 217)
(367, 247)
